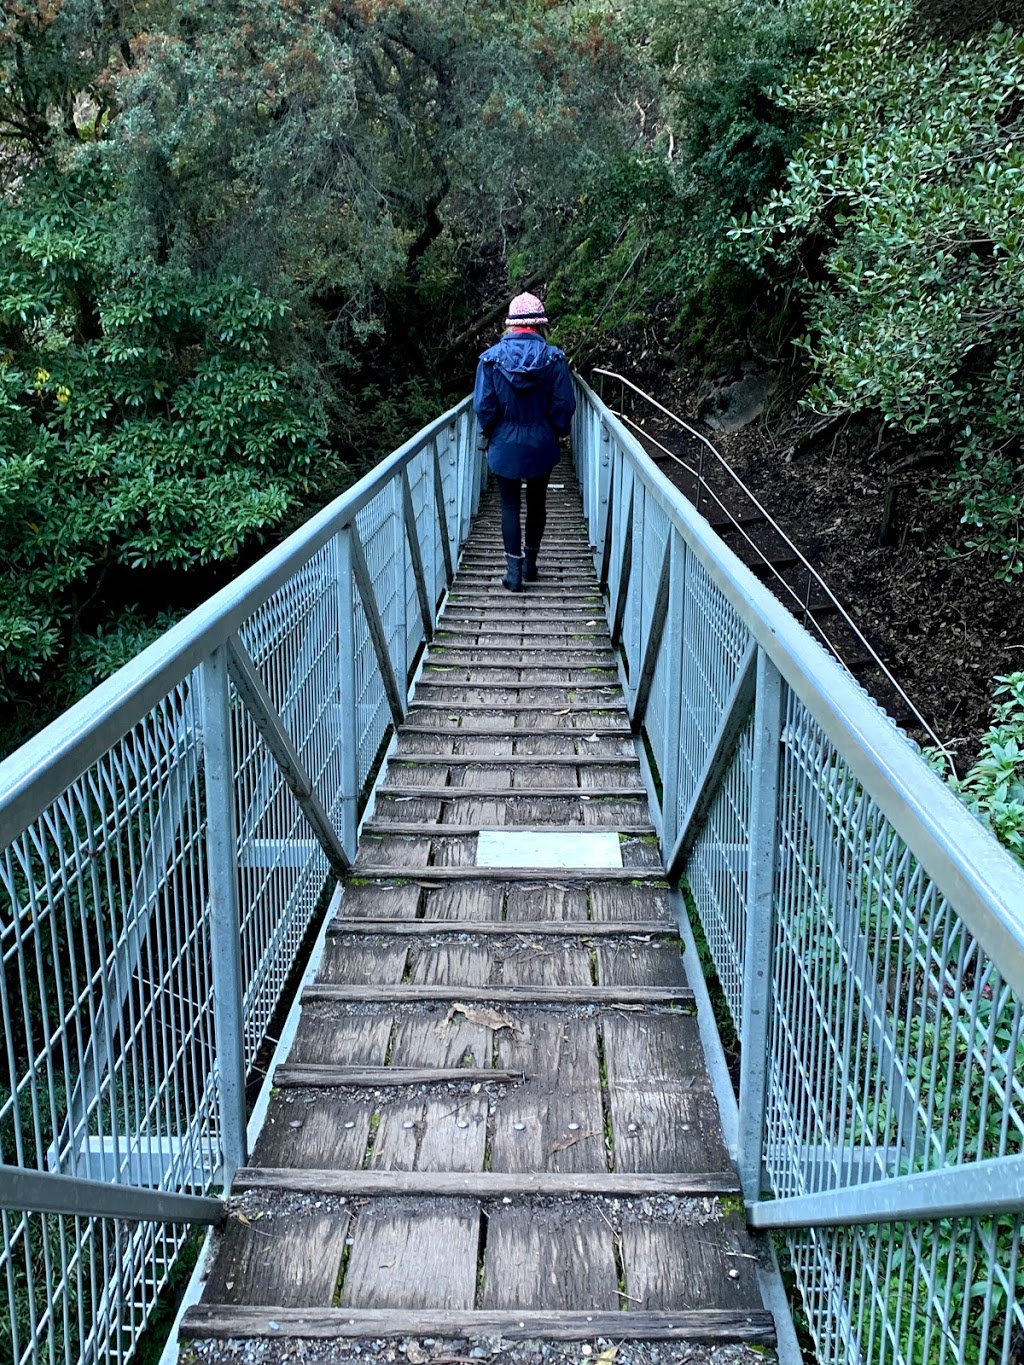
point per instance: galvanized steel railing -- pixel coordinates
(164, 847)
(867, 933)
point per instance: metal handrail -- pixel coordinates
(164, 847)
(963, 857)
(35, 774)
(813, 575)
(867, 932)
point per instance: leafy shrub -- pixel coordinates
(148, 418)
(994, 786)
(900, 221)
(650, 228)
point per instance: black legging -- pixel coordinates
(536, 512)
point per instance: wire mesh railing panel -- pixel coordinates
(292, 639)
(379, 524)
(898, 1046)
(714, 641)
(86, 1287)
(143, 844)
(654, 542)
(868, 938)
(717, 874)
(897, 1049)
(104, 996)
(107, 1012)
(936, 1292)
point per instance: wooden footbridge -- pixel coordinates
(495, 1118)
(342, 922)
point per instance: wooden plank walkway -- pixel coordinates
(496, 1118)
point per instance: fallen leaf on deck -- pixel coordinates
(562, 1143)
(478, 1014)
(607, 1355)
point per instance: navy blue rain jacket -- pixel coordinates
(524, 401)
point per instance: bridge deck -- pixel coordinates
(496, 1118)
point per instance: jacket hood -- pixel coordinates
(523, 360)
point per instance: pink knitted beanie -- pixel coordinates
(526, 310)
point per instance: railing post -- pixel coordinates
(600, 518)
(476, 445)
(348, 695)
(762, 859)
(401, 577)
(673, 646)
(225, 917)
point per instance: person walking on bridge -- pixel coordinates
(524, 401)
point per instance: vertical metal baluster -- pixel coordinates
(673, 647)
(762, 857)
(599, 519)
(225, 920)
(452, 499)
(399, 559)
(480, 479)
(464, 489)
(347, 693)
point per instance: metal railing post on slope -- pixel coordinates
(658, 615)
(347, 694)
(762, 858)
(673, 646)
(416, 558)
(442, 518)
(257, 701)
(225, 919)
(396, 695)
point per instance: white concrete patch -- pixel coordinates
(538, 848)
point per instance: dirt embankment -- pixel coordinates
(945, 625)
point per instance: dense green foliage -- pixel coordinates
(232, 236)
(994, 786)
(849, 176)
(654, 230)
(237, 239)
(148, 418)
(902, 214)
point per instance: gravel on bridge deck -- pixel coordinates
(571, 1196)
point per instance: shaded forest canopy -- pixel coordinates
(241, 247)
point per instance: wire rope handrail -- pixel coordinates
(813, 576)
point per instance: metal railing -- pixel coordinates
(164, 847)
(867, 933)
